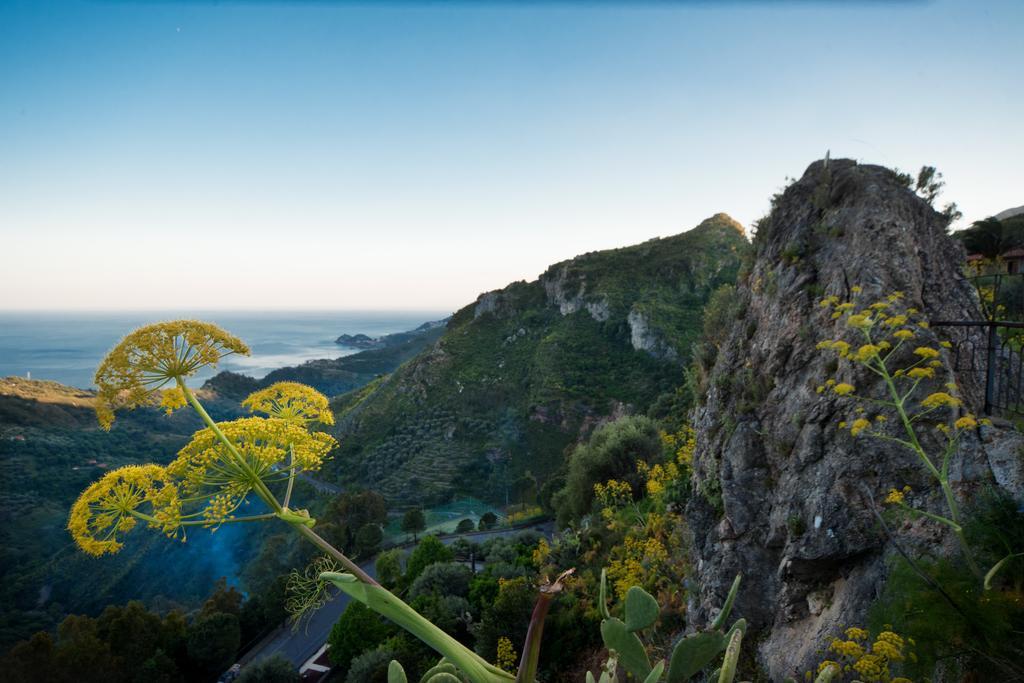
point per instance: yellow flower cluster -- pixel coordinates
(682, 445)
(613, 494)
(506, 655)
(292, 402)
(206, 468)
(859, 425)
(151, 356)
(897, 496)
(843, 389)
(940, 399)
(637, 557)
(657, 477)
(541, 553)
(110, 507)
(871, 662)
(172, 399)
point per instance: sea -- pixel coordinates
(67, 347)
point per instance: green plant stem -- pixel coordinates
(319, 542)
(291, 475)
(391, 607)
(531, 649)
(235, 520)
(268, 497)
(256, 482)
(941, 477)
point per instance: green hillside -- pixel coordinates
(519, 374)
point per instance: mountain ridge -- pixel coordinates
(522, 372)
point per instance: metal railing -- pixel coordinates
(998, 363)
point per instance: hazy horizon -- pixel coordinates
(335, 156)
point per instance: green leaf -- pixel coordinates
(997, 567)
(602, 599)
(641, 609)
(719, 621)
(693, 653)
(732, 656)
(656, 672)
(631, 651)
(441, 667)
(443, 677)
(396, 674)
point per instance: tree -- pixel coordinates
(358, 630)
(929, 183)
(507, 615)
(81, 654)
(158, 668)
(371, 667)
(368, 540)
(442, 578)
(414, 522)
(429, 551)
(225, 599)
(389, 568)
(213, 642)
(465, 526)
(31, 660)
(132, 632)
(487, 521)
(354, 510)
(611, 453)
(274, 669)
(991, 237)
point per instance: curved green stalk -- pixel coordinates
(391, 607)
(264, 493)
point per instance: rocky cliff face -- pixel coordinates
(781, 494)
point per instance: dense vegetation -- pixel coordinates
(518, 376)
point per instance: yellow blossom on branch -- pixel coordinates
(109, 507)
(939, 399)
(292, 402)
(506, 655)
(154, 355)
(926, 352)
(843, 389)
(858, 426)
(966, 422)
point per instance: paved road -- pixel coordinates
(298, 646)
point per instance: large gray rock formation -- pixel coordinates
(781, 494)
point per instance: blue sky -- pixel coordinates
(344, 155)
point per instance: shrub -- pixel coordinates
(274, 669)
(429, 551)
(611, 453)
(465, 526)
(213, 642)
(389, 568)
(357, 630)
(368, 540)
(370, 667)
(487, 521)
(442, 578)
